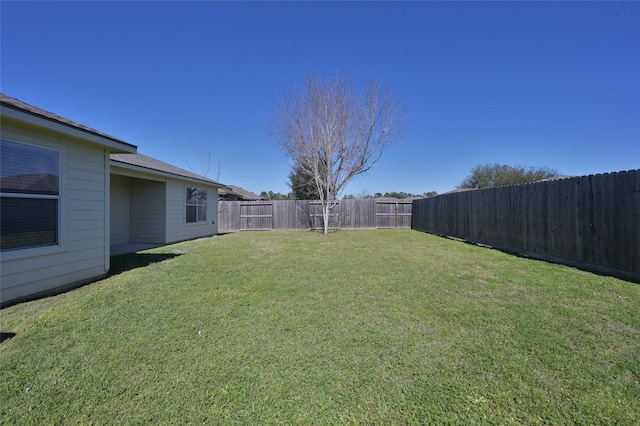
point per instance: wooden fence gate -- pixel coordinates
(393, 214)
(256, 216)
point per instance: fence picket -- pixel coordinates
(589, 221)
(305, 214)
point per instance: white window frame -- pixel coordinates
(13, 252)
(197, 205)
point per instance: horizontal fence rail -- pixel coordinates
(307, 214)
(591, 222)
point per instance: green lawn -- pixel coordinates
(357, 327)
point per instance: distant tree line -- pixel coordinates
(270, 195)
(303, 187)
(482, 176)
(401, 195)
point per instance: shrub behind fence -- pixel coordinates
(590, 222)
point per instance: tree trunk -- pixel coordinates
(325, 217)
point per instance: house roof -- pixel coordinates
(239, 192)
(394, 199)
(459, 190)
(17, 105)
(39, 183)
(558, 177)
(141, 161)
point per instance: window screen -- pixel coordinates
(29, 196)
(196, 205)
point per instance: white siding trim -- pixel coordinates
(9, 112)
(107, 211)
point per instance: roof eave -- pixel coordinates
(156, 172)
(114, 145)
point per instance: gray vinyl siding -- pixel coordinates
(155, 206)
(82, 252)
(147, 218)
(177, 227)
(120, 211)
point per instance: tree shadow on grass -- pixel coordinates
(127, 262)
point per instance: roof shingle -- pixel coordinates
(144, 161)
(25, 107)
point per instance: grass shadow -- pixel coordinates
(6, 336)
(119, 264)
(602, 271)
(129, 261)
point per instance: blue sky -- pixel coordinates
(552, 84)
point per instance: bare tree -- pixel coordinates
(204, 167)
(334, 130)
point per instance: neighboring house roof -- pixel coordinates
(394, 199)
(555, 178)
(239, 192)
(141, 161)
(40, 183)
(459, 190)
(12, 104)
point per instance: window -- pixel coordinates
(29, 196)
(196, 205)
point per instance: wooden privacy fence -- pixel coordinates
(305, 214)
(591, 222)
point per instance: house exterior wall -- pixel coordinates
(147, 211)
(157, 208)
(82, 253)
(120, 211)
(177, 227)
